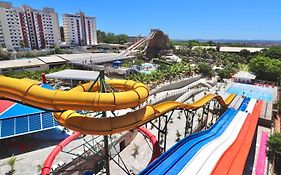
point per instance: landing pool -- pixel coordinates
(252, 91)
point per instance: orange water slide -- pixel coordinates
(234, 158)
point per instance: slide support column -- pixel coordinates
(105, 138)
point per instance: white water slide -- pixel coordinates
(205, 160)
(139, 43)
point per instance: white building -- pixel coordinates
(79, 29)
(228, 49)
(25, 27)
(10, 28)
(244, 77)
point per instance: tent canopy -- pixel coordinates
(72, 74)
(244, 75)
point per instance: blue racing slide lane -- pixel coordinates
(171, 161)
(244, 104)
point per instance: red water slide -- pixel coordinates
(156, 148)
(49, 161)
(234, 158)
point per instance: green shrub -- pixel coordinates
(274, 150)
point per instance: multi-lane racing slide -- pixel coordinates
(205, 160)
(222, 149)
(86, 97)
(234, 158)
(181, 157)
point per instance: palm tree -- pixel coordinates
(11, 162)
(136, 150)
(39, 168)
(178, 136)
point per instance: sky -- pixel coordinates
(180, 19)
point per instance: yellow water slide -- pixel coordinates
(86, 97)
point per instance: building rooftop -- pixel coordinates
(238, 49)
(71, 57)
(20, 63)
(244, 74)
(72, 74)
(107, 44)
(52, 59)
(230, 49)
(94, 58)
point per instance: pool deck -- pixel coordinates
(259, 131)
(266, 114)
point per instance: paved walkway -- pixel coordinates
(259, 131)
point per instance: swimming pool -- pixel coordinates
(147, 68)
(256, 92)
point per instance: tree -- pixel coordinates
(274, 150)
(226, 72)
(58, 50)
(4, 55)
(266, 68)
(101, 35)
(111, 38)
(218, 47)
(22, 44)
(210, 43)
(273, 52)
(136, 150)
(11, 162)
(121, 39)
(245, 53)
(279, 106)
(205, 69)
(178, 135)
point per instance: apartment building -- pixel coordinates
(25, 27)
(79, 30)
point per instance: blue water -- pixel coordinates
(251, 91)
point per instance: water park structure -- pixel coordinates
(104, 102)
(225, 125)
